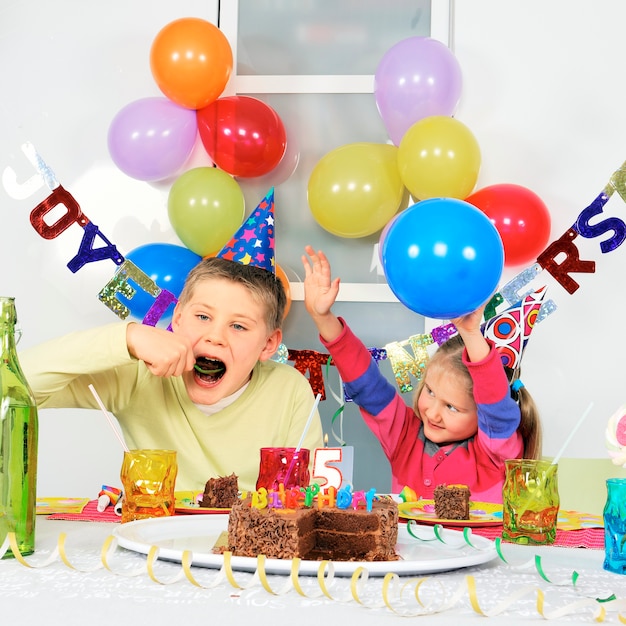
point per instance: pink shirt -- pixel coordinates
(416, 462)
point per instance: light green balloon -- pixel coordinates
(206, 207)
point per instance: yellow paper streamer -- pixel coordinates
(320, 577)
(110, 544)
(394, 589)
(153, 555)
(12, 539)
(187, 562)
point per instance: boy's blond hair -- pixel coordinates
(264, 286)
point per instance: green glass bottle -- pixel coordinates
(18, 440)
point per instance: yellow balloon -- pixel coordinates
(355, 189)
(439, 157)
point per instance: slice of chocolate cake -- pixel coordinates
(221, 493)
(452, 501)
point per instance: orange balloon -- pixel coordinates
(280, 273)
(191, 62)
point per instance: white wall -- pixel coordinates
(67, 68)
(543, 93)
(545, 96)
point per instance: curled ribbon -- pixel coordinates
(395, 590)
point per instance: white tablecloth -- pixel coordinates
(91, 594)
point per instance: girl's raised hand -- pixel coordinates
(320, 291)
(471, 321)
(469, 329)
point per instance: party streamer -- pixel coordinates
(396, 592)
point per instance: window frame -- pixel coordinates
(442, 21)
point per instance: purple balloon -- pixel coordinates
(416, 78)
(150, 139)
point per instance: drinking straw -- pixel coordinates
(304, 432)
(106, 414)
(525, 504)
(559, 454)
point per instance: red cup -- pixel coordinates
(283, 465)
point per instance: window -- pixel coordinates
(313, 61)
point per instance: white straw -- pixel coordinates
(571, 434)
(304, 432)
(308, 422)
(106, 414)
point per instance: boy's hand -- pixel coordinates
(164, 353)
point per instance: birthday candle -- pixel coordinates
(326, 497)
(344, 497)
(333, 467)
(259, 498)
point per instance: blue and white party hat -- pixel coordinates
(253, 243)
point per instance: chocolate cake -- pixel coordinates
(221, 493)
(314, 533)
(452, 501)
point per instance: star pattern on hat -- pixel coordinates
(253, 243)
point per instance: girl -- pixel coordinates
(465, 421)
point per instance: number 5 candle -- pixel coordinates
(332, 467)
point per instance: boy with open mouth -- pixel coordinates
(208, 388)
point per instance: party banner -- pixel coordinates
(561, 259)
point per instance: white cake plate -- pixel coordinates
(198, 534)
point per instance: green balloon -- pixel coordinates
(206, 207)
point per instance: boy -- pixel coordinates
(207, 390)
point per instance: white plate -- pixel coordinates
(198, 533)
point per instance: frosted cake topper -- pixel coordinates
(253, 243)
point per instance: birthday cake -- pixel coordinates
(220, 493)
(314, 531)
(452, 501)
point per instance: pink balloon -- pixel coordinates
(416, 78)
(150, 139)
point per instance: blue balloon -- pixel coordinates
(167, 265)
(442, 258)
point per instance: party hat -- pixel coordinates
(510, 330)
(253, 243)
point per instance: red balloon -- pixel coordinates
(243, 135)
(520, 217)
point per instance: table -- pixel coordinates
(91, 594)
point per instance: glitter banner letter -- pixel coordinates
(88, 254)
(571, 263)
(588, 231)
(74, 215)
(119, 284)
